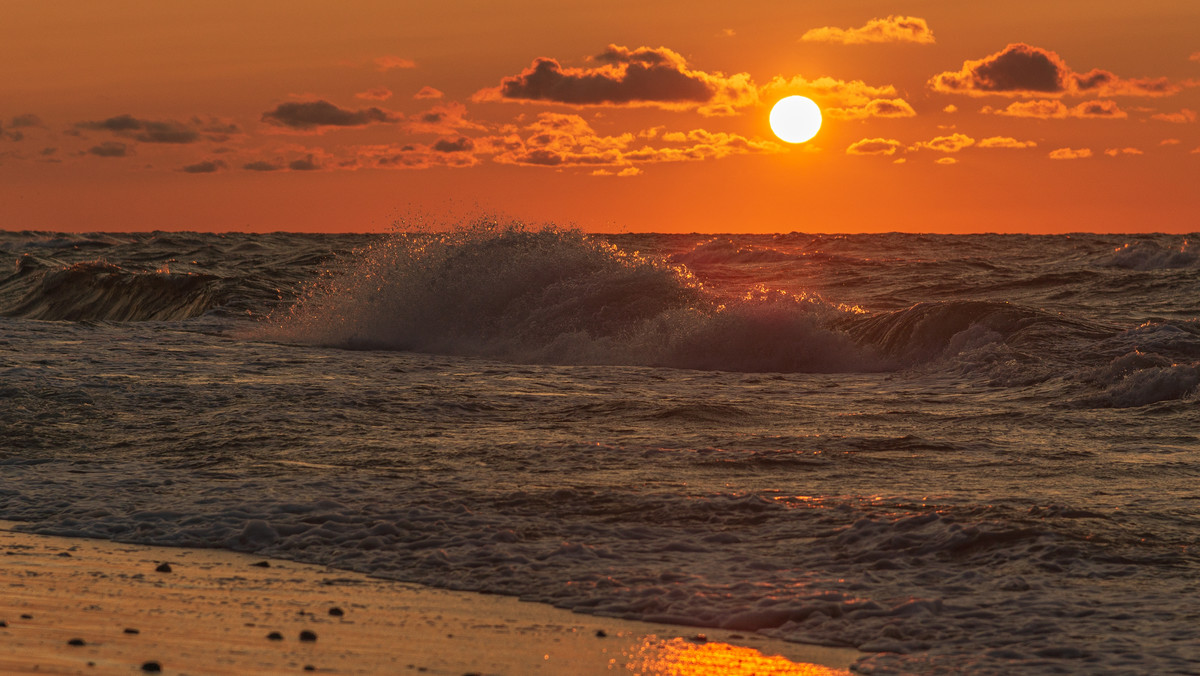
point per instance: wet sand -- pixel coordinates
(83, 606)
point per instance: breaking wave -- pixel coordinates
(562, 297)
(555, 296)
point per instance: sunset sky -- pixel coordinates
(1023, 116)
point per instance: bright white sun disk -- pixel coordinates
(795, 119)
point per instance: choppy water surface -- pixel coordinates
(955, 453)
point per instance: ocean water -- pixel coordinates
(958, 454)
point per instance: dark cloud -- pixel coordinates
(166, 132)
(205, 167)
(642, 76)
(261, 166)
(109, 149)
(115, 124)
(1024, 70)
(26, 120)
(308, 115)
(459, 145)
(305, 164)
(146, 131)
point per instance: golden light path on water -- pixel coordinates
(680, 657)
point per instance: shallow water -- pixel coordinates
(956, 453)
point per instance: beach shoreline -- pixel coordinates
(78, 605)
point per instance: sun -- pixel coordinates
(795, 119)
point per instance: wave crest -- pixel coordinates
(559, 296)
(100, 291)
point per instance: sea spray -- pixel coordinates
(560, 297)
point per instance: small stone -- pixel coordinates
(309, 667)
(336, 612)
(307, 635)
(64, 553)
(274, 636)
(153, 667)
(76, 641)
(132, 631)
(262, 564)
(600, 633)
(26, 616)
(3, 624)
(163, 568)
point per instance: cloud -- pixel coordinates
(444, 119)
(891, 29)
(1182, 117)
(407, 156)
(643, 76)
(947, 144)
(261, 165)
(461, 144)
(308, 163)
(874, 146)
(1004, 142)
(386, 63)
(205, 167)
(375, 94)
(26, 120)
(428, 93)
(875, 108)
(312, 115)
(1023, 70)
(556, 140)
(1113, 152)
(624, 173)
(146, 131)
(1194, 57)
(1070, 153)
(950, 109)
(1053, 109)
(1170, 142)
(841, 99)
(109, 149)
(946, 160)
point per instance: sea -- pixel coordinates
(956, 453)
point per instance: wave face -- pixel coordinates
(561, 297)
(124, 277)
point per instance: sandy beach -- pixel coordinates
(84, 606)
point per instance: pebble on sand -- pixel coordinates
(336, 612)
(130, 630)
(76, 641)
(262, 564)
(307, 635)
(163, 568)
(153, 667)
(274, 636)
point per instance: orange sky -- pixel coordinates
(1026, 116)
